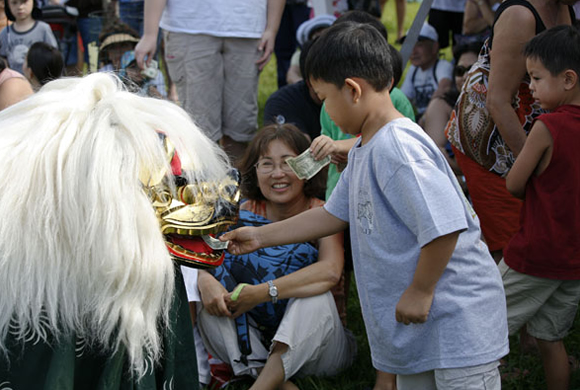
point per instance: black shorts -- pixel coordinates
(445, 22)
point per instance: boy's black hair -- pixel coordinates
(558, 49)
(36, 12)
(303, 55)
(45, 62)
(350, 49)
(396, 64)
(364, 18)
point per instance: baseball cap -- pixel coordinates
(309, 26)
(427, 32)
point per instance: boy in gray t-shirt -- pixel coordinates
(431, 295)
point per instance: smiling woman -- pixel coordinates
(308, 337)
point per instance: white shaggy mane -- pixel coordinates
(80, 247)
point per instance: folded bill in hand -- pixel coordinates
(305, 166)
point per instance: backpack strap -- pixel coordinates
(435, 71)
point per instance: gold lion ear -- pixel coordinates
(152, 176)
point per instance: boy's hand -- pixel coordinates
(242, 240)
(414, 306)
(322, 146)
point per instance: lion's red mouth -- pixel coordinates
(193, 250)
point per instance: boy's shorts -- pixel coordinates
(547, 306)
(485, 376)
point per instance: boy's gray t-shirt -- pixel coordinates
(14, 45)
(398, 194)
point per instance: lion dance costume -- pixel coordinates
(101, 191)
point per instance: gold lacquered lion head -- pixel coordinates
(191, 214)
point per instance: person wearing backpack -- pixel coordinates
(428, 75)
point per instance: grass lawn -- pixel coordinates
(361, 375)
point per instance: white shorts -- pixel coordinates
(482, 377)
(317, 342)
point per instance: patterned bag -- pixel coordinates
(471, 128)
(259, 267)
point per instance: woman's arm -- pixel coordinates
(14, 90)
(477, 16)
(534, 158)
(312, 280)
(434, 121)
(512, 31)
(212, 294)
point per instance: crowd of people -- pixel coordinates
(452, 199)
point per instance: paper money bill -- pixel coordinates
(305, 166)
(214, 243)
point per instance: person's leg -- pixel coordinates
(317, 342)
(550, 325)
(272, 375)
(132, 14)
(401, 11)
(555, 362)
(385, 381)
(221, 340)
(240, 95)
(285, 45)
(195, 64)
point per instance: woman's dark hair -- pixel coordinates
(291, 137)
(45, 62)
(471, 47)
(36, 12)
(3, 64)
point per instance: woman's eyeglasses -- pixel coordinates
(460, 70)
(267, 166)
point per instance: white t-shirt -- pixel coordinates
(449, 5)
(420, 84)
(219, 18)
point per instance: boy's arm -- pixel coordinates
(306, 226)
(530, 159)
(415, 303)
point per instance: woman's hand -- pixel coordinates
(242, 240)
(248, 297)
(213, 295)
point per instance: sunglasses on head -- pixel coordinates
(460, 70)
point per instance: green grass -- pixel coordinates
(361, 375)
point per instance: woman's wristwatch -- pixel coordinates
(272, 291)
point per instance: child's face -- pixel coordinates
(338, 105)
(21, 9)
(545, 87)
(424, 54)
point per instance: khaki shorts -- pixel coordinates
(217, 82)
(547, 306)
(484, 377)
